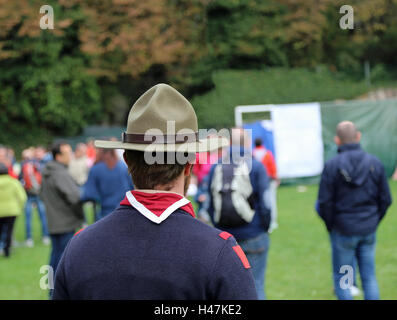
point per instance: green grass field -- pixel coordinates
(299, 264)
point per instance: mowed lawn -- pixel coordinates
(299, 261)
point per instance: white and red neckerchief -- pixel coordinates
(157, 205)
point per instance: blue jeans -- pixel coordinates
(59, 243)
(256, 250)
(347, 249)
(28, 216)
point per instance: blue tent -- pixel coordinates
(259, 131)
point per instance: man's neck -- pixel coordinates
(159, 190)
(176, 187)
(111, 163)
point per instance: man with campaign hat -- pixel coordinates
(152, 246)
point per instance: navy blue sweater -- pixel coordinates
(127, 256)
(354, 194)
(260, 184)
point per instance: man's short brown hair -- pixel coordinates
(148, 176)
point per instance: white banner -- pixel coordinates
(298, 140)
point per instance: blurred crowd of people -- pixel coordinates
(58, 182)
(99, 180)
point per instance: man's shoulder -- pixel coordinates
(98, 166)
(332, 163)
(374, 159)
(180, 224)
(201, 230)
(371, 158)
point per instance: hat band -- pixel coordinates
(159, 139)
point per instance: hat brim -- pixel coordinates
(203, 145)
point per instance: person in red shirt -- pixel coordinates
(91, 153)
(201, 169)
(266, 157)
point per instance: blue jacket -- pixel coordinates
(127, 256)
(260, 185)
(107, 186)
(354, 194)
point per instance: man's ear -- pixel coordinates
(358, 136)
(188, 169)
(337, 141)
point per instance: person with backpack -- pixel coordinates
(239, 204)
(353, 198)
(31, 178)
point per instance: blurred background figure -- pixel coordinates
(31, 179)
(266, 157)
(353, 198)
(119, 152)
(78, 167)
(91, 152)
(42, 156)
(5, 159)
(16, 167)
(107, 183)
(61, 197)
(201, 169)
(12, 201)
(238, 204)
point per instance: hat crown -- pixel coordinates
(157, 107)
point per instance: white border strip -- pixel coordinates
(239, 110)
(150, 215)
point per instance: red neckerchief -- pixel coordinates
(157, 203)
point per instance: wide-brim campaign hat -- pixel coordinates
(163, 120)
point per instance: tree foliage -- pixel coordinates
(44, 87)
(103, 54)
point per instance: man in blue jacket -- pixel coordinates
(352, 199)
(253, 236)
(107, 182)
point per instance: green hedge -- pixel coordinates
(215, 109)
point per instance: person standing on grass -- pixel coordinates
(31, 178)
(239, 204)
(353, 198)
(266, 157)
(42, 156)
(152, 247)
(61, 196)
(12, 202)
